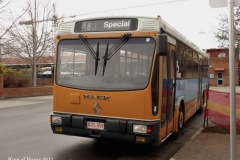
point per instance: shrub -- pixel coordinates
(13, 81)
(44, 82)
(1, 69)
(13, 78)
(8, 81)
(22, 81)
(8, 71)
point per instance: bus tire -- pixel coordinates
(200, 109)
(180, 123)
(180, 118)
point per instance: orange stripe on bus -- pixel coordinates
(220, 108)
(222, 98)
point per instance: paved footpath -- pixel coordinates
(208, 146)
(224, 89)
(13, 102)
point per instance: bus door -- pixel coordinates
(168, 92)
(200, 77)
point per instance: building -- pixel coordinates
(219, 67)
(20, 63)
(44, 65)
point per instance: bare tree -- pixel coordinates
(4, 44)
(32, 31)
(3, 5)
(221, 33)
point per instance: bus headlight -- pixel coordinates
(139, 128)
(56, 119)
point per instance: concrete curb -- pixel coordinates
(199, 131)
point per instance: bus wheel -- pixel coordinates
(180, 118)
(200, 109)
(180, 123)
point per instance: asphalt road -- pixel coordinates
(25, 134)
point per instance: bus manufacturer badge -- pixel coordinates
(97, 108)
(88, 96)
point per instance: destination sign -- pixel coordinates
(104, 25)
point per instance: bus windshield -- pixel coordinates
(128, 68)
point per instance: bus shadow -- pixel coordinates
(106, 149)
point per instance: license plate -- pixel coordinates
(95, 125)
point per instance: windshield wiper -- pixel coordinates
(97, 59)
(105, 59)
(94, 54)
(108, 54)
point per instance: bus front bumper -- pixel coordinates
(119, 129)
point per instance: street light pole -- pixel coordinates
(232, 81)
(230, 4)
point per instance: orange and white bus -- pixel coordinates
(128, 78)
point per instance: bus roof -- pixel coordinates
(124, 24)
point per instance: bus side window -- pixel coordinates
(195, 65)
(188, 64)
(180, 63)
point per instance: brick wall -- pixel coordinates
(26, 92)
(1, 84)
(23, 92)
(221, 62)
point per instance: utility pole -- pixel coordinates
(34, 45)
(33, 22)
(55, 24)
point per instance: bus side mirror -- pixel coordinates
(162, 44)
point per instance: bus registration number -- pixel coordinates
(95, 125)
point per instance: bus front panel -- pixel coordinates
(101, 87)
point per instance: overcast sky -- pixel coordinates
(193, 18)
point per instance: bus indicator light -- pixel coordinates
(58, 129)
(140, 139)
(155, 110)
(149, 129)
